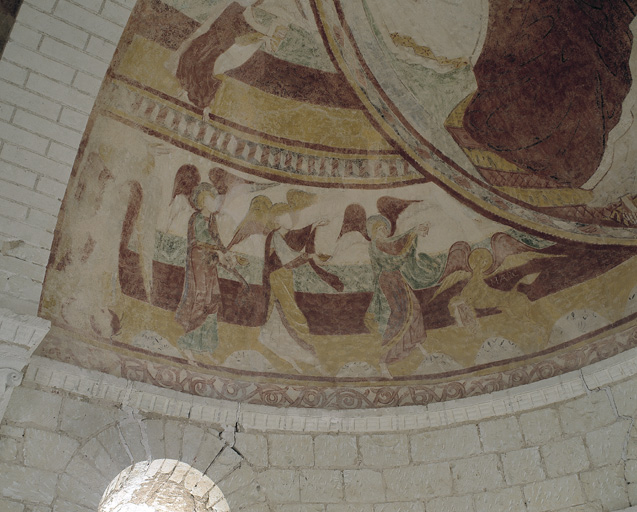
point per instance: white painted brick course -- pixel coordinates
(21, 287)
(22, 268)
(87, 83)
(83, 420)
(13, 73)
(6, 111)
(25, 252)
(71, 489)
(101, 49)
(62, 154)
(8, 450)
(24, 36)
(51, 26)
(20, 231)
(12, 210)
(23, 138)
(61, 93)
(30, 198)
(43, 5)
(84, 18)
(74, 119)
(253, 447)
(129, 4)
(42, 65)
(359, 507)
(47, 129)
(173, 436)
(17, 175)
(92, 5)
(51, 188)
(14, 95)
(116, 13)
(74, 58)
(38, 163)
(42, 220)
(11, 506)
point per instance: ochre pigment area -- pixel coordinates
(320, 203)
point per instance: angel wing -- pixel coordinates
(226, 182)
(510, 253)
(391, 208)
(354, 220)
(450, 280)
(186, 179)
(255, 222)
(457, 267)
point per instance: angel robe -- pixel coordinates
(201, 300)
(394, 305)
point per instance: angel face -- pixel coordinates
(480, 260)
(378, 227)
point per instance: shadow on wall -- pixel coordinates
(8, 14)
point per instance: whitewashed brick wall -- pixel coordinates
(50, 74)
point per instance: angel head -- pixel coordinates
(204, 198)
(480, 260)
(378, 227)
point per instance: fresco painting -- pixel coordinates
(240, 224)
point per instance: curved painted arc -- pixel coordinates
(340, 43)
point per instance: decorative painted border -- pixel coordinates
(182, 127)
(325, 393)
(154, 399)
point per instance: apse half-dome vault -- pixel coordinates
(320, 203)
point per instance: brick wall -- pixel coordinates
(50, 73)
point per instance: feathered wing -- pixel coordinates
(450, 280)
(227, 183)
(510, 253)
(457, 267)
(354, 220)
(255, 221)
(186, 179)
(391, 208)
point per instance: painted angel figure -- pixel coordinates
(230, 36)
(395, 311)
(201, 301)
(286, 328)
(477, 265)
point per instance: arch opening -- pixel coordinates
(162, 485)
